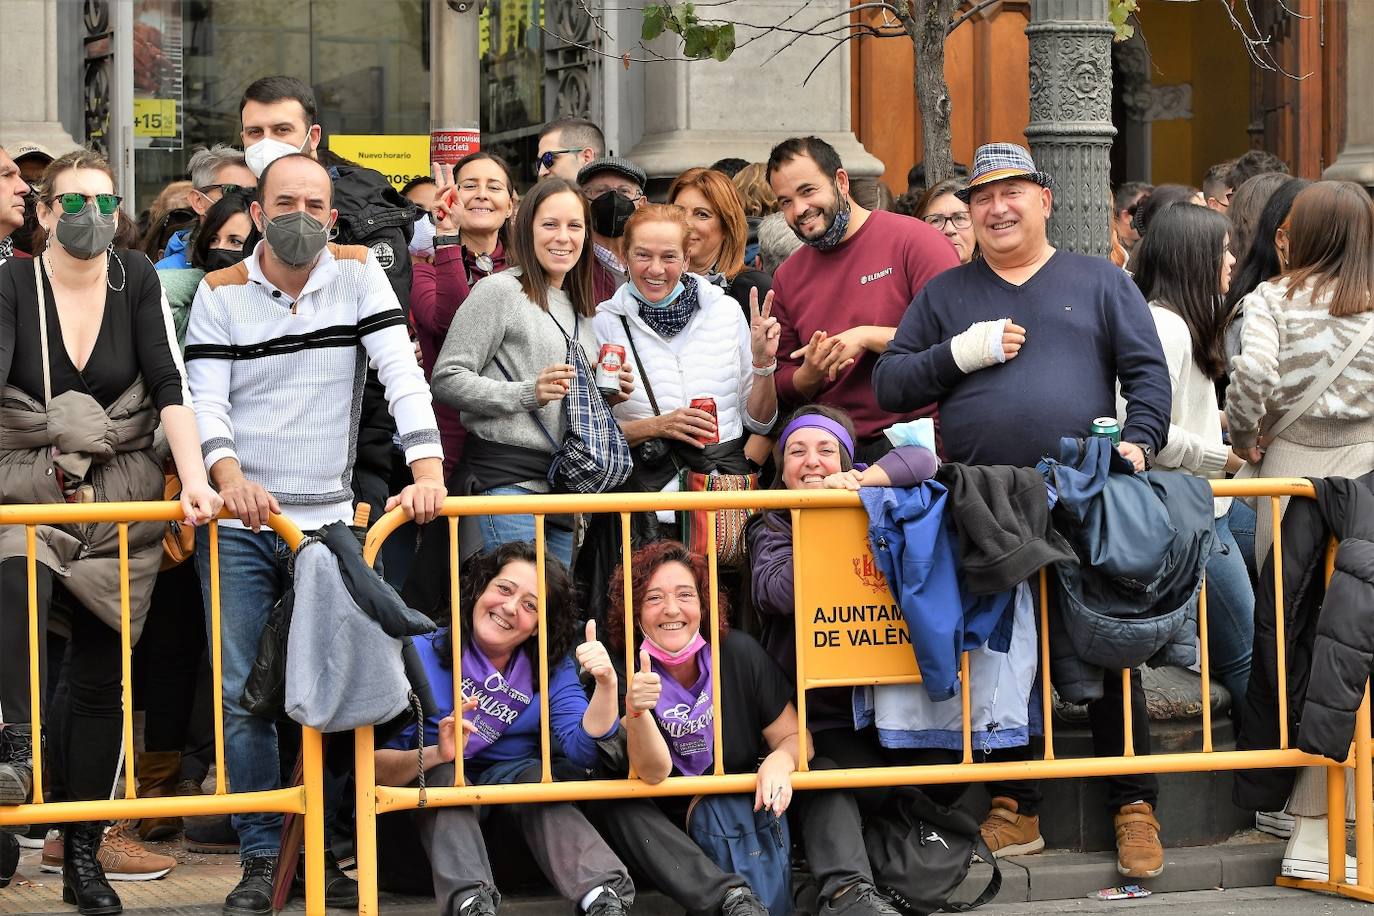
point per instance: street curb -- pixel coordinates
(1245, 861)
(1067, 875)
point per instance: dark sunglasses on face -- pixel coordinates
(547, 159)
(245, 190)
(74, 203)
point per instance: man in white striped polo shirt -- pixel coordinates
(277, 353)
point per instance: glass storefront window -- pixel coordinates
(365, 59)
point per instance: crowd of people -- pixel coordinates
(285, 333)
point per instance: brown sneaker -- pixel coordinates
(125, 859)
(51, 859)
(1138, 850)
(1010, 834)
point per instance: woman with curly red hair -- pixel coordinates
(670, 592)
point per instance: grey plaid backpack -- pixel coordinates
(593, 456)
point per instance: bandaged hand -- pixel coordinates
(987, 343)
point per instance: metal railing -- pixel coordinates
(819, 519)
(306, 800)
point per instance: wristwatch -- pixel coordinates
(454, 239)
(1148, 452)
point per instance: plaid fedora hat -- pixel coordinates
(997, 161)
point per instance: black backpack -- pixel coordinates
(921, 853)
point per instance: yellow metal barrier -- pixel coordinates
(824, 522)
(306, 800)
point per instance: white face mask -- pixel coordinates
(267, 151)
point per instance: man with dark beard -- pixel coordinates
(840, 297)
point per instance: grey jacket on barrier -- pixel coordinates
(342, 670)
(1143, 541)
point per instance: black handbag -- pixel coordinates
(264, 692)
(921, 852)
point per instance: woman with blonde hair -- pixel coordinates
(95, 368)
(719, 233)
(754, 190)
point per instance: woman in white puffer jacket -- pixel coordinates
(686, 339)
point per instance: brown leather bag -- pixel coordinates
(179, 540)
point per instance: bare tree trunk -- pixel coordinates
(927, 23)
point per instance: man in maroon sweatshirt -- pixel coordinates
(840, 298)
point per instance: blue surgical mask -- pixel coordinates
(662, 303)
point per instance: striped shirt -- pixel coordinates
(278, 384)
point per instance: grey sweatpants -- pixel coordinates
(566, 847)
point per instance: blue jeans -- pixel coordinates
(499, 529)
(1241, 519)
(1230, 615)
(253, 575)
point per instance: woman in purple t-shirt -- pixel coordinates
(499, 614)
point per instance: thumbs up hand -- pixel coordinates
(645, 686)
(593, 658)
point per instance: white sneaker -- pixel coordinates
(1306, 853)
(1274, 823)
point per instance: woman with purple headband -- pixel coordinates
(815, 451)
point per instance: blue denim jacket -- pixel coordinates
(915, 548)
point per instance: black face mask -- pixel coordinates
(220, 258)
(610, 212)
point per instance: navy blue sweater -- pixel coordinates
(1087, 326)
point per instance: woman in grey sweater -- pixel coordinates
(504, 364)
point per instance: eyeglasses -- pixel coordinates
(74, 203)
(960, 220)
(547, 159)
(246, 190)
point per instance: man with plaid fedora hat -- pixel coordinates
(1020, 348)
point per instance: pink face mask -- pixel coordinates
(674, 658)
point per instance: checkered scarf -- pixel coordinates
(668, 320)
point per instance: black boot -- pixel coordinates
(9, 857)
(253, 895)
(16, 764)
(340, 891)
(83, 880)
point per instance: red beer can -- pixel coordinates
(608, 369)
(708, 404)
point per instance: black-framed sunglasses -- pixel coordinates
(73, 203)
(960, 220)
(245, 190)
(547, 159)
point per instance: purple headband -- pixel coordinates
(819, 421)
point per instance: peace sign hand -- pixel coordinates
(764, 330)
(445, 210)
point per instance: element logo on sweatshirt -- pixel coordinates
(869, 278)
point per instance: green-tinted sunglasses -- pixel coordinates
(74, 203)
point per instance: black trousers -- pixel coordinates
(832, 821)
(1109, 740)
(172, 673)
(649, 836)
(86, 728)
